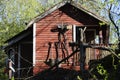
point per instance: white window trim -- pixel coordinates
(34, 44)
(74, 33)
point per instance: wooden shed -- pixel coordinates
(47, 38)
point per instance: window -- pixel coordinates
(82, 34)
(85, 35)
(90, 36)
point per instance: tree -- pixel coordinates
(14, 16)
(114, 16)
(109, 9)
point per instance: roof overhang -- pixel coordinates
(17, 38)
(39, 17)
(26, 32)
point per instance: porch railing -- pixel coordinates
(94, 54)
(91, 54)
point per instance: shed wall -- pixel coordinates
(44, 34)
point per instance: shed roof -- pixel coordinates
(57, 6)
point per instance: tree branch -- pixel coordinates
(111, 18)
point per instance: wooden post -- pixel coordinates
(82, 56)
(82, 61)
(100, 37)
(10, 71)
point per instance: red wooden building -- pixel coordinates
(46, 39)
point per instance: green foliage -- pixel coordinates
(21, 10)
(78, 78)
(13, 78)
(113, 62)
(102, 71)
(101, 7)
(13, 16)
(3, 76)
(15, 13)
(101, 23)
(107, 70)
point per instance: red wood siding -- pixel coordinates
(44, 36)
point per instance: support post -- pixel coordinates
(82, 61)
(82, 54)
